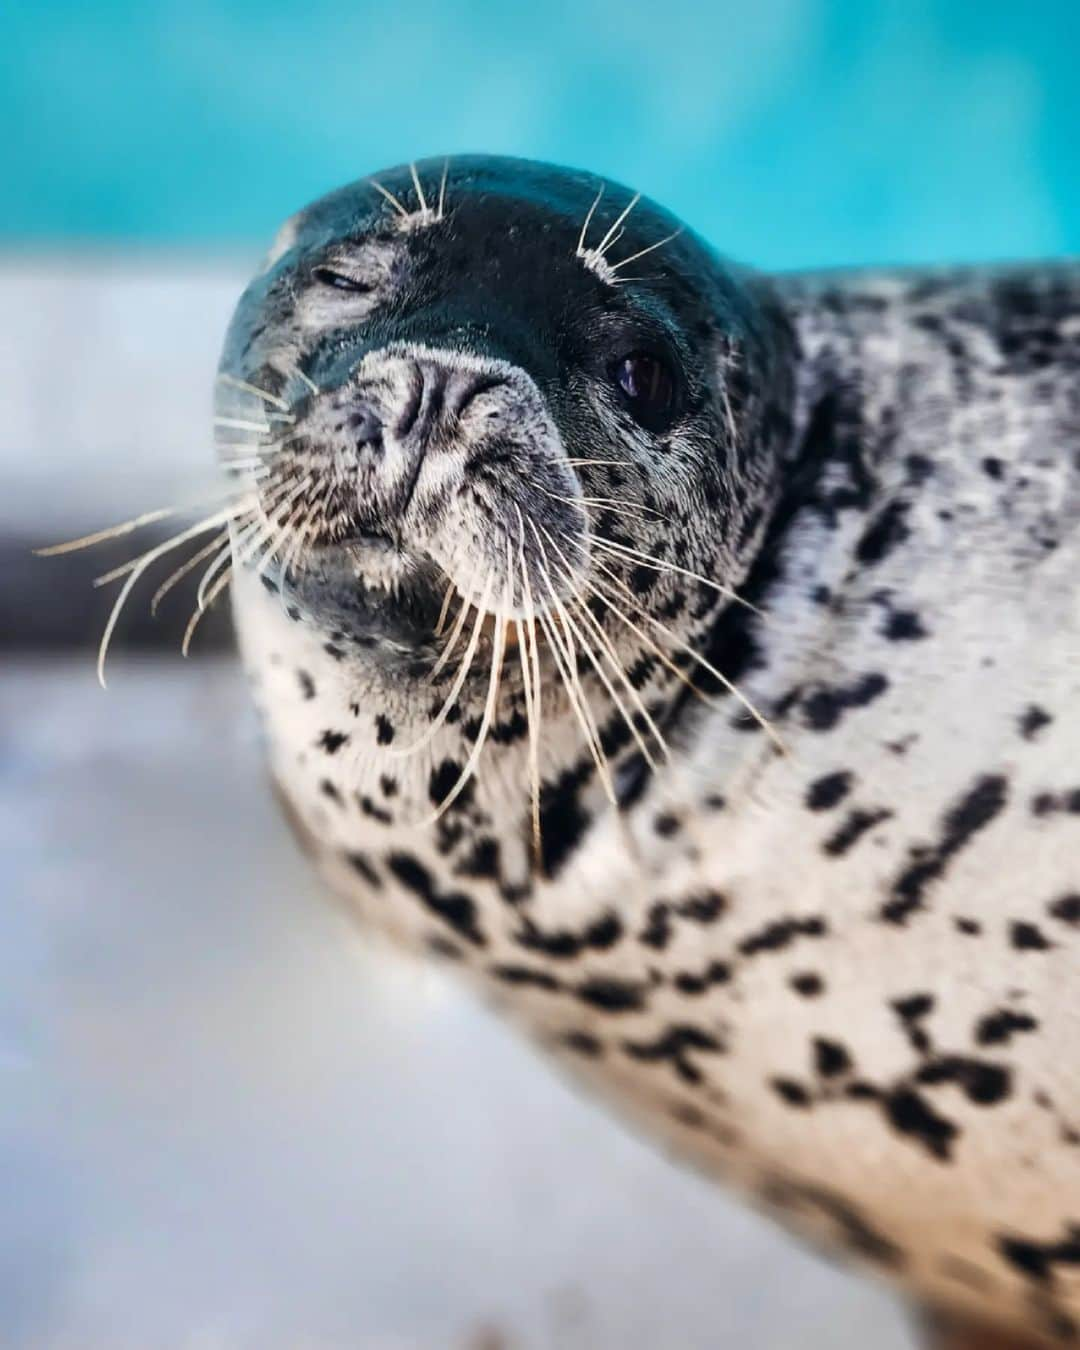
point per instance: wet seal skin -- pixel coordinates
(689, 657)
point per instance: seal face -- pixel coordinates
(691, 658)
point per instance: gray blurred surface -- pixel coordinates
(226, 1121)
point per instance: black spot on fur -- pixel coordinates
(983, 1083)
(807, 984)
(831, 1058)
(999, 1027)
(691, 983)
(904, 625)
(1028, 937)
(673, 1045)
(781, 933)
(857, 823)
(1036, 1260)
(453, 907)
(1067, 909)
(911, 1010)
(965, 818)
(306, 683)
(563, 822)
(909, 1113)
(794, 1094)
(1032, 721)
(361, 865)
(384, 730)
(563, 944)
(825, 793)
(612, 995)
(332, 741)
(823, 709)
(885, 532)
(526, 976)
(441, 784)
(582, 1043)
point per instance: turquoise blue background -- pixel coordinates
(789, 131)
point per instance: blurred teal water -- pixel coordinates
(790, 132)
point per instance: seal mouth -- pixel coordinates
(369, 594)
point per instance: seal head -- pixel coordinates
(498, 377)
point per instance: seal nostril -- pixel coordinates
(471, 389)
(368, 428)
(415, 398)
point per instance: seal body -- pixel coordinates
(800, 887)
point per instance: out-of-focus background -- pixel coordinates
(225, 1120)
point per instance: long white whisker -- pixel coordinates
(111, 532)
(695, 655)
(389, 197)
(211, 522)
(419, 189)
(611, 653)
(661, 565)
(459, 679)
(642, 251)
(574, 631)
(193, 622)
(611, 235)
(242, 424)
(588, 220)
(253, 389)
(181, 572)
(498, 652)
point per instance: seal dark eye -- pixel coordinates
(647, 384)
(326, 276)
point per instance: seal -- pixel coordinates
(690, 657)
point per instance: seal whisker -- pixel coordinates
(448, 597)
(193, 623)
(390, 198)
(185, 568)
(581, 251)
(564, 665)
(242, 424)
(110, 532)
(530, 655)
(455, 633)
(642, 251)
(459, 679)
(695, 655)
(442, 189)
(614, 230)
(601, 463)
(254, 390)
(419, 190)
(211, 571)
(312, 386)
(612, 655)
(136, 571)
(572, 627)
(661, 565)
(237, 509)
(498, 654)
(607, 503)
(565, 654)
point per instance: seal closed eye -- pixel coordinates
(689, 657)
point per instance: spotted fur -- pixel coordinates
(846, 978)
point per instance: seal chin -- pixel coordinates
(368, 595)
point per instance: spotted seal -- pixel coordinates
(690, 658)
